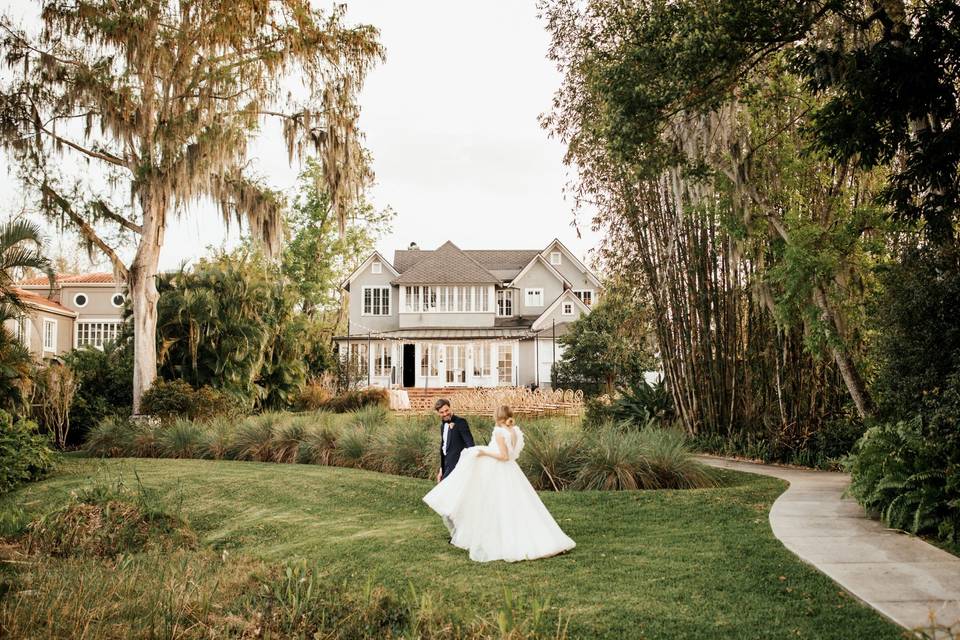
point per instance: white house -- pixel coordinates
(469, 318)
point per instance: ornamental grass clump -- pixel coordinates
(318, 445)
(354, 448)
(613, 461)
(217, 438)
(670, 463)
(286, 440)
(254, 438)
(111, 437)
(182, 439)
(552, 456)
(404, 451)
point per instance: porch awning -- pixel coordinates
(490, 333)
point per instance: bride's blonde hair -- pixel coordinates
(504, 415)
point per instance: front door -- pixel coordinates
(409, 365)
(456, 364)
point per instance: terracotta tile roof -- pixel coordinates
(32, 299)
(448, 264)
(72, 278)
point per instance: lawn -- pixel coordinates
(648, 564)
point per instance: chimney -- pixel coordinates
(413, 247)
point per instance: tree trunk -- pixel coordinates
(142, 285)
(848, 370)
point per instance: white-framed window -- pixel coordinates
(483, 302)
(505, 364)
(585, 295)
(49, 334)
(504, 303)
(481, 359)
(377, 268)
(80, 299)
(376, 301)
(567, 309)
(382, 359)
(118, 299)
(534, 297)
(555, 258)
(437, 299)
(96, 333)
(429, 360)
(21, 330)
(358, 355)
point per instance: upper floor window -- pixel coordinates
(80, 300)
(49, 334)
(376, 267)
(533, 297)
(505, 303)
(96, 334)
(555, 258)
(376, 301)
(585, 295)
(430, 299)
(118, 299)
(567, 308)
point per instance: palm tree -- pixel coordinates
(21, 244)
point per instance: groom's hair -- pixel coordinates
(441, 403)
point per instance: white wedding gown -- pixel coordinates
(491, 509)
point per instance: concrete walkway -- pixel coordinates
(899, 575)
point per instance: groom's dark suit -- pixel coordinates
(458, 439)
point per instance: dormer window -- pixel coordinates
(555, 258)
(377, 268)
(80, 300)
(567, 308)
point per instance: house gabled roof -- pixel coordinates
(366, 263)
(556, 243)
(98, 278)
(550, 267)
(566, 296)
(447, 264)
(40, 303)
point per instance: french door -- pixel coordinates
(455, 364)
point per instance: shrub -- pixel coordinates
(182, 439)
(910, 479)
(316, 393)
(642, 402)
(25, 455)
(253, 439)
(613, 460)
(670, 463)
(369, 417)
(551, 456)
(354, 399)
(405, 451)
(286, 441)
(353, 448)
(217, 437)
(319, 444)
(112, 438)
(173, 399)
(145, 438)
(104, 386)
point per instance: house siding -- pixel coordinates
(359, 323)
(98, 305)
(538, 276)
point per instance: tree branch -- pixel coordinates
(101, 207)
(106, 157)
(86, 230)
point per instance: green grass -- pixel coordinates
(698, 563)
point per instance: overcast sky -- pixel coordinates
(451, 121)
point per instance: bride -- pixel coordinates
(490, 507)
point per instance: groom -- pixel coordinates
(455, 436)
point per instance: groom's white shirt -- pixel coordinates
(446, 430)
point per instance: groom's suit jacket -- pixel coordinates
(458, 439)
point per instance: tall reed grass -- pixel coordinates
(558, 454)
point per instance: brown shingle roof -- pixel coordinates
(32, 299)
(448, 264)
(72, 278)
